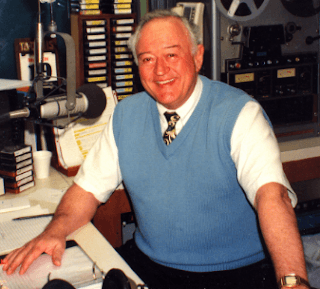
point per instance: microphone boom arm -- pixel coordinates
(71, 69)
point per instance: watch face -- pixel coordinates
(291, 280)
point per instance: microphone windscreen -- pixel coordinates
(96, 97)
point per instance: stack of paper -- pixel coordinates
(14, 234)
(19, 207)
(76, 268)
(15, 204)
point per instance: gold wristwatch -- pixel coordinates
(292, 281)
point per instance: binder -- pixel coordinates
(82, 265)
(76, 269)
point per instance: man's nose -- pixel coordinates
(161, 67)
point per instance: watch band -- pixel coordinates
(298, 281)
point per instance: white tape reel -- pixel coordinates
(241, 10)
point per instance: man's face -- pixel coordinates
(167, 68)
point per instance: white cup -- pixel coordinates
(41, 163)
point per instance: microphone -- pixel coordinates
(91, 103)
(20, 113)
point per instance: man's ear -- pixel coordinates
(198, 57)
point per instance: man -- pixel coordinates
(198, 195)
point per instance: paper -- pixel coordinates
(74, 142)
(14, 234)
(32, 211)
(48, 195)
(76, 268)
(27, 60)
(9, 205)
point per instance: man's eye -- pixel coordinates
(147, 59)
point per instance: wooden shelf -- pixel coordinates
(79, 34)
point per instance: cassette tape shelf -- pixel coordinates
(102, 55)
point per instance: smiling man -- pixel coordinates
(202, 168)
(168, 68)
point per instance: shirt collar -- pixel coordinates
(188, 107)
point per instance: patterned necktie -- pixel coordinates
(170, 134)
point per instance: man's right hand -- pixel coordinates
(24, 256)
(77, 208)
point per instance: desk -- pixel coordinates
(301, 159)
(56, 180)
(88, 237)
(108, 217)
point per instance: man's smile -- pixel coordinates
(165, 81)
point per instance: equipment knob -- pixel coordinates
(310, 39)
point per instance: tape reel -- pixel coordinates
(302, 8)
(241, 10)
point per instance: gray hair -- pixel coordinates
(193, 29)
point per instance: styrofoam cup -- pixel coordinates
(41, 163)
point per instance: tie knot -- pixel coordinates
(172, 117)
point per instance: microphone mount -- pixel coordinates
(70, 57)
(89, 101)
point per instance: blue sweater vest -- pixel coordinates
(191, 212)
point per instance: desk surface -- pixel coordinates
(55, 180)
(300, 149)
(88, 237)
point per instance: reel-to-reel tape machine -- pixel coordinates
(270, 49)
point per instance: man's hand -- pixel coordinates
(77, 208)
(24, 256)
